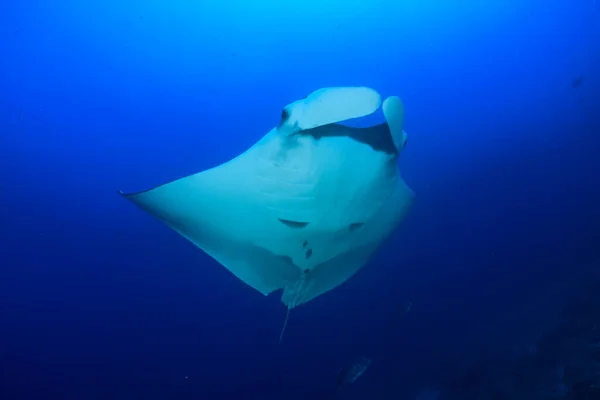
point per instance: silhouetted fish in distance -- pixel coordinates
(351, 372)
(577, 81)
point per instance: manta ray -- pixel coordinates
(306, 206)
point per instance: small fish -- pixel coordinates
(351, 372)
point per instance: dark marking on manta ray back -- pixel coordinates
(308, 253)
(304, 244)
(355, 226)
(293, 224)
(378, 137)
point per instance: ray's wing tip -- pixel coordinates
(126, 195)
(131, 195)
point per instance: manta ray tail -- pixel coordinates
(287, 317)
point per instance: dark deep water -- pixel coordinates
(100, 301)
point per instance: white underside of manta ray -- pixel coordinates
(305, 207)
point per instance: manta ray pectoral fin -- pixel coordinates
(210, 211)
(393, 110)
(327, 106)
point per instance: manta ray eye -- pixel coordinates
(284, 117)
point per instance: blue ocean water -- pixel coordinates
(100, 301)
